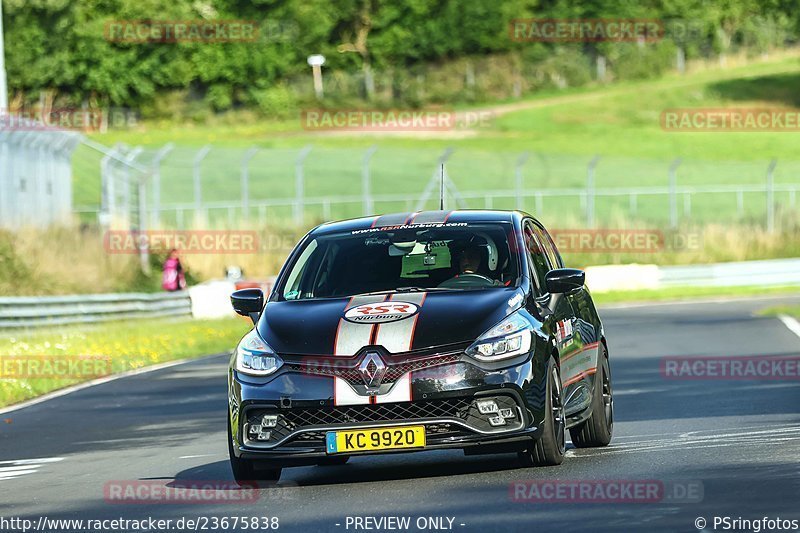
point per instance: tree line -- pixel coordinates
(387, 50)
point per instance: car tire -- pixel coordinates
(596, 431)
(548, 450)
(245, 471)
(334, 461)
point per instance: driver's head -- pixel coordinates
(469, 260)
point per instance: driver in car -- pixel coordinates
(470, 259)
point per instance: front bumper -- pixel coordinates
(300, 408)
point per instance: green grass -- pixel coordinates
(790, 310)
(130, 345)
(563, 131)
(688, 293)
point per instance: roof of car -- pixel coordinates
(418, 218)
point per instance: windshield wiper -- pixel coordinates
(405, 289)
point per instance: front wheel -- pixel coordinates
(549, 449)
(245, 471)
(597, 429)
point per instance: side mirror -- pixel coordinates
(248, 302)
(563, 280)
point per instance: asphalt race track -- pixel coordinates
(720, 447)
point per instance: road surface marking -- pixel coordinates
(22, 467)
(791, 323)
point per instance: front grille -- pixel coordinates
(354, 414)
(332, 367)
(465, 410)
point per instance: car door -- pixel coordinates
(580, 333)
(556, 308)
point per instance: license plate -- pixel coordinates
(364, 440)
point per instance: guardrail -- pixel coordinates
(770, 272)
(211, 299)
(37, 311)
(767, 272)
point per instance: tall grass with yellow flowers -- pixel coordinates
(128, 345)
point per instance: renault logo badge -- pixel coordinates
(372, 370)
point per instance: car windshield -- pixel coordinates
(460, 256)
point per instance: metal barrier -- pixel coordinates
(771, 272)
(767, 273)
(35, 311)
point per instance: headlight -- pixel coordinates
(509, 338)
(254, 357)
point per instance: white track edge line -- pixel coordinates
(99, 381)
(791, 323)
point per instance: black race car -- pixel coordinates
(418, 331)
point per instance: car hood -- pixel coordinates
(398, 322)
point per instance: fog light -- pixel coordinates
(254, 430)
(486, 407)
(264, 435)
(497, 421)
(269, 421)
(507, 413)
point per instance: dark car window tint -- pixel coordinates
(537, 256)
(548, 247)
(449, 257)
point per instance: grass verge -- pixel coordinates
(130, 345)
(789, 310)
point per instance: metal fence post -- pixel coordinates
(130, 159)
(518, 177)
(299, 185)
(673, 199)
(771, 195)
(590, 191)
(366, 182)
(5, 160)
(248, 155)
(144, 252)
(106, 192)
(159, 157)
(198, 185)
